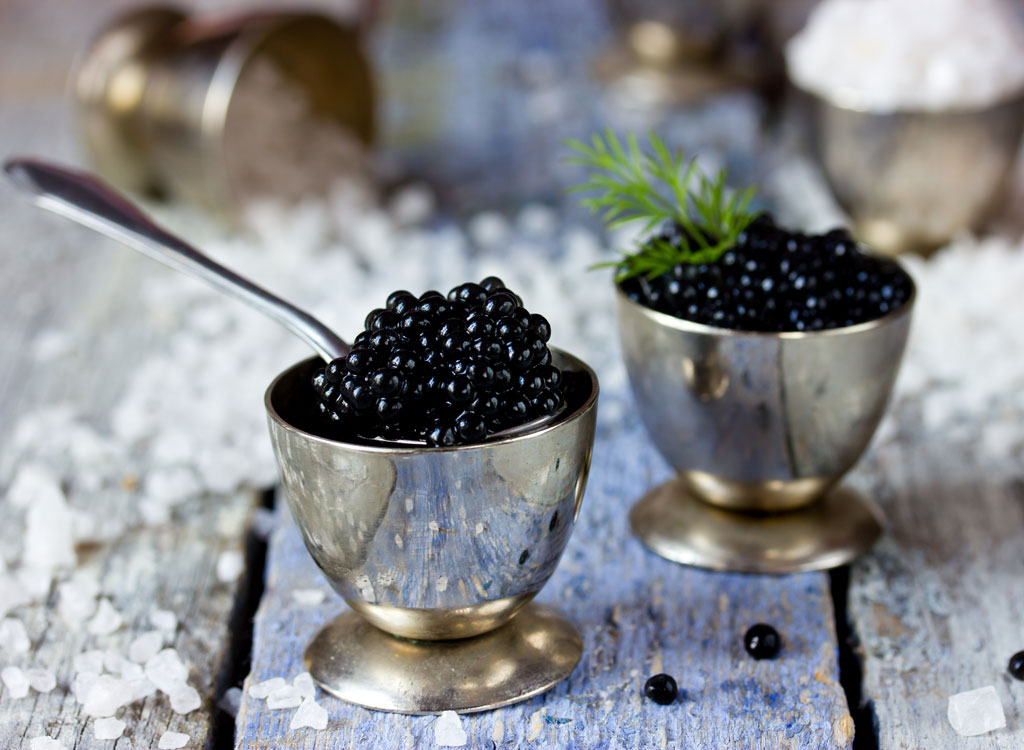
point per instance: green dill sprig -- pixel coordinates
(658, 188)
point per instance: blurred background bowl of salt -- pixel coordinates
(917, 112)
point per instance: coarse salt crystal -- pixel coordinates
(164, 619)
(88, 661)
(105, 695)
(76, 598)
(12, 594)
(976, 712)
(309, 714)
(166, 670)
(448, 731)
(81, 684)
(15, 681)
(13, 638)
(41, 680)
(262, 689)
(308, 597)
(106, 620)
(303, 682)
(146, 646)
(108, 728)
(184, 698)
(230, 565)
(287, 696)
(231, 701)
(173, 740)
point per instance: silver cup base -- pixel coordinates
(354, 661)
(832, 531)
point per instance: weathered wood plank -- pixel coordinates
(639, 615)
(938, 607)
(59, 277)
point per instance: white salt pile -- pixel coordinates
(891, 55)
(976, 712)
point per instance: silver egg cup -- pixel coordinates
(760, 427)
(438, 552)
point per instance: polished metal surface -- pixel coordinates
(915, 180)
(760, 421)
(434, 543)
(677, 525)
(86, 200)
(154, 90)
(358, 663)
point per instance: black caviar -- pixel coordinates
(661, 688)
(762, 641)
(1016, 665)
(447, 370)
(776, 280)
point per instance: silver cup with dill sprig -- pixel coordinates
(761, 361)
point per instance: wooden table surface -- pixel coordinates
(871, 652)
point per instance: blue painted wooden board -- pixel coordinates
(638, 614)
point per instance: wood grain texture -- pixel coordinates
(59, 277)
(939, 606)
(639, 615)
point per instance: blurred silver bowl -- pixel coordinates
(760, 421)
(434, 543)
(911, 181)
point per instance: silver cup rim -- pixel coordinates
(681, 324)
(577, 365)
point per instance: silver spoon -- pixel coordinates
(83, 198)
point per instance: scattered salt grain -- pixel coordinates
(108, 729)
(76, 598)
(309, 714)
(184, 698)
(231, 701)
(81, 684)
(308, 597)
(173, 740)
(261, 690)
(303, 682)
(41, 680)
(230, 565)
(488, 229)
(166, 670)
(448, 731)
(164, 619)
(88, 661)
(146, 646)
(13, 638)
(105, 695)
(12, 594)
(49, 540)
(106, 620)
(141, 687)
(976, 712)
(15, 681)
(412, 204)
(287, 696)
(113, 661)
(45, 743)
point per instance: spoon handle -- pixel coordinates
(83, 198)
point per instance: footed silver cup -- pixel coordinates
(760, 421)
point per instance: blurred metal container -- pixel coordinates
(914, 180)
(155, 90)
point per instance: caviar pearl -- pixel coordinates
(1016, 665)
(762, 641)
(661, 688)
